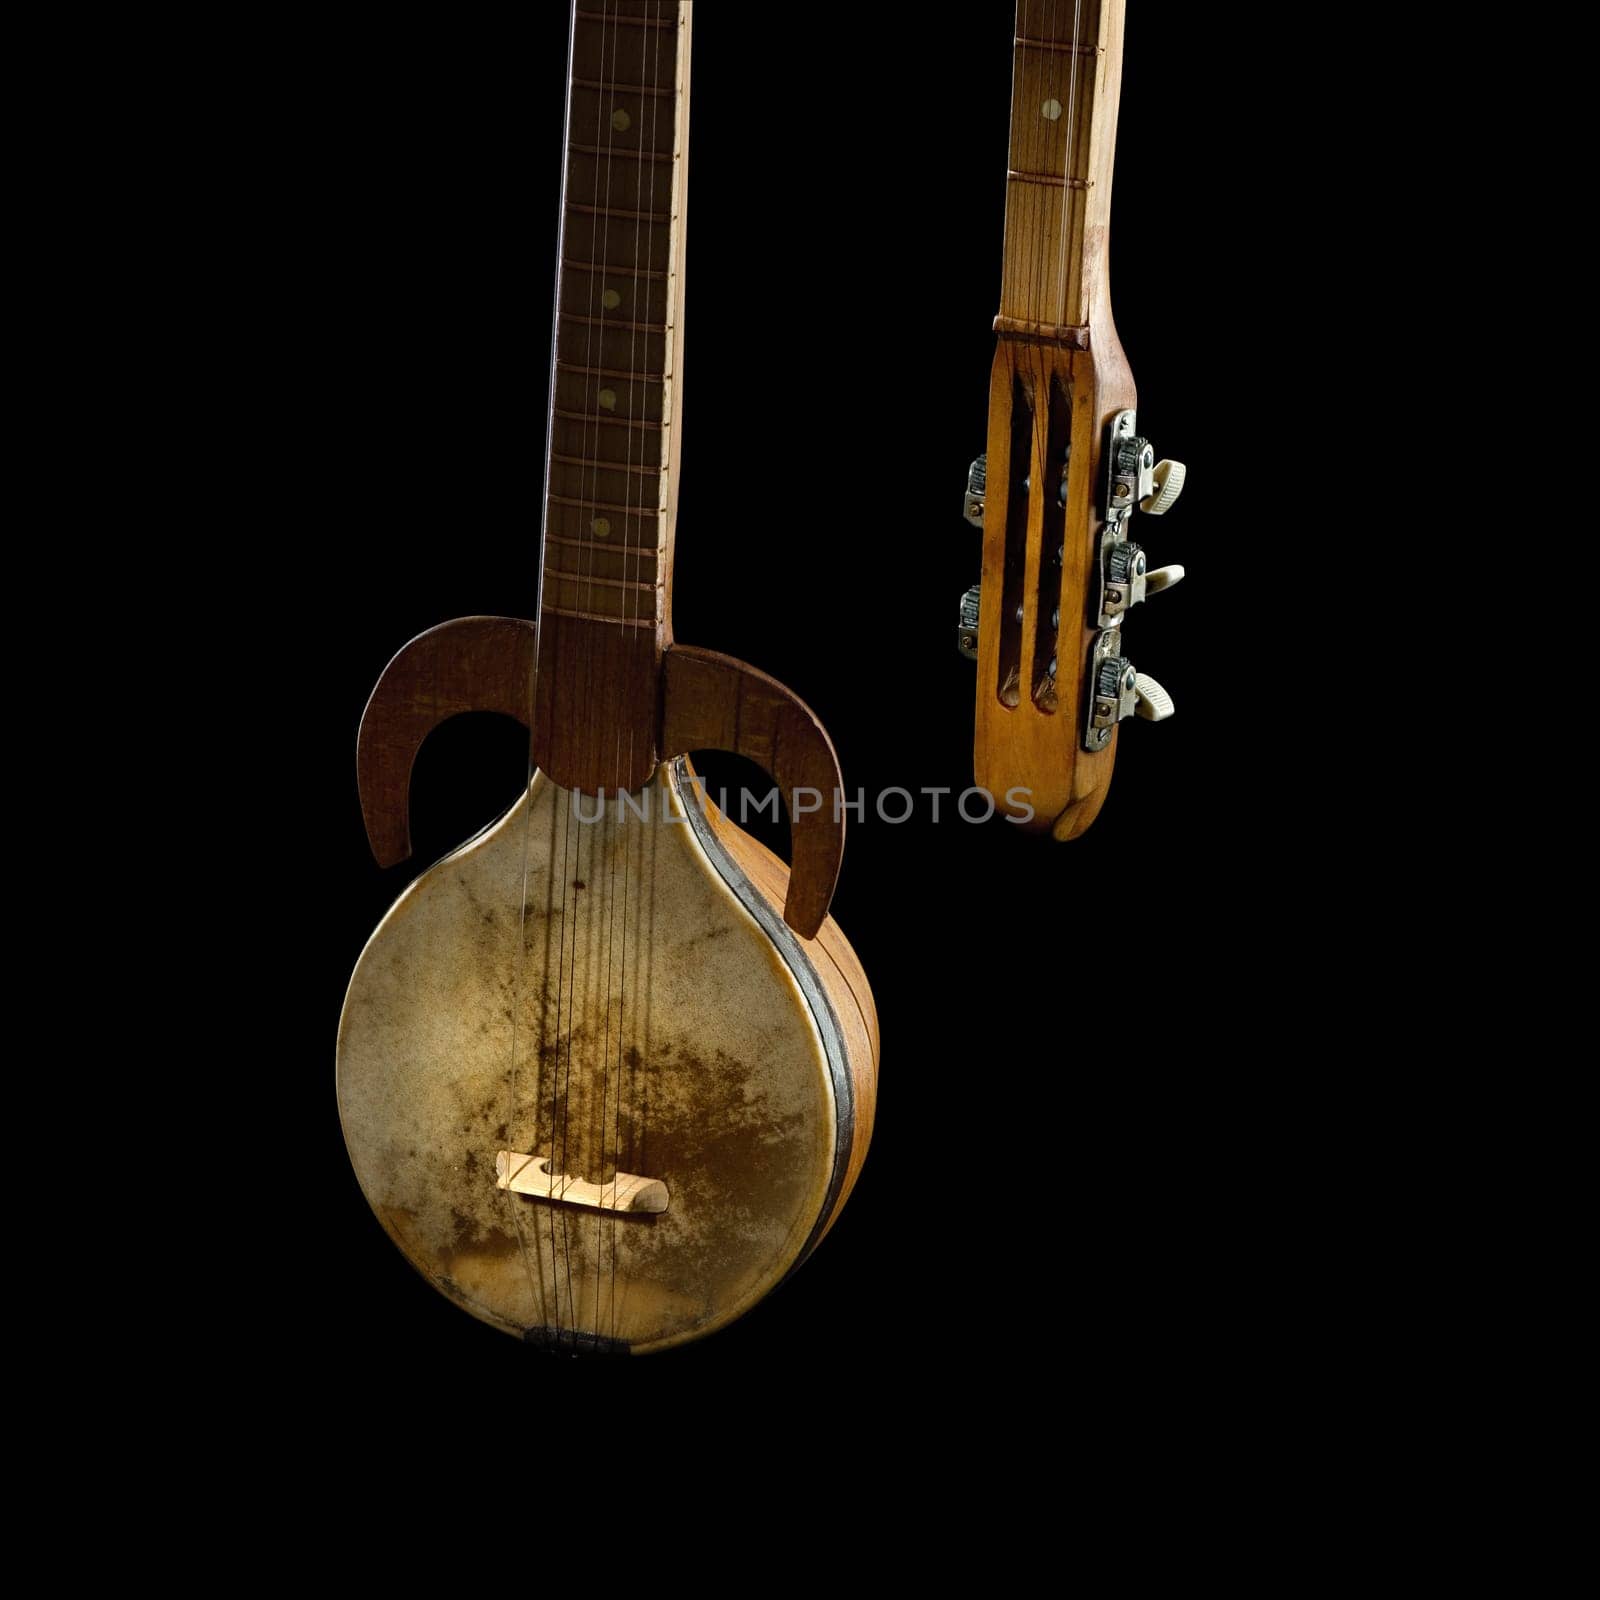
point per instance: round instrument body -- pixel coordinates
(604, 991)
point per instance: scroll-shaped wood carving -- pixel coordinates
(471, 664)
(712, 702)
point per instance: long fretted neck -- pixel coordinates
(1065, 86)
(611, 473)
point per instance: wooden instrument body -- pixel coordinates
(661, 1019)
(653, 993)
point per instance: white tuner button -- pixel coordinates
(1167, 480)
(1162, 578)
(1155, 704)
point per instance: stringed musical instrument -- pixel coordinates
(607, 1072)
(1066, 465)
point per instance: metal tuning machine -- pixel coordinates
(967, 628)
(972, 510)
(977, 484)
(1121, 690)
(1133, 478)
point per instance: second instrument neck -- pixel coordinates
(1065, 85)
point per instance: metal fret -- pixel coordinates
(599, 616)
(614, 372)
(604, 505)
(613, 324)
(605, 466)
(603, 87)
(625, 21)
(1055, 179)
(600, 268)
(608, 151)
(592, 544)
(620, 216)
(604, 583)
(1061, 47)
(605, 419)
(626, 179)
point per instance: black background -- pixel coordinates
(1075, 1025)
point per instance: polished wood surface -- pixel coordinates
(612, 463)
(1059, 376)
(709, 702)
(468, 664)
(713, 702)
(843, 979)
(1065, 88)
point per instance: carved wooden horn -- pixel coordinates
(471, 664)
(709, 702)
(712, 702)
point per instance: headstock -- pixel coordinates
(1066, 468)
(1057, 494)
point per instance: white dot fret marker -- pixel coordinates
(1051, 110)
(611, 299)
(621, 121)
(608, 399)
(601, 527)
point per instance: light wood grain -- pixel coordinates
(843, 980)
(1059, 373)
(1058, 185)
(532, 1175)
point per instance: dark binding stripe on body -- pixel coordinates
(799, 963)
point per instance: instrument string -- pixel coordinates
(1040, 163)
(519, 981)
(627, 609)
(1030, 156)
(605, 665)
(561, 1095)
(597, 984)
(1009, 285)
(1067, 191)
(1030, 147)
(520, 958)
(567, 972)
(1032, 160)
(633, 562)
(621, 645)
(1017, 157)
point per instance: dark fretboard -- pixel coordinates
(611, 402)
(610, 487)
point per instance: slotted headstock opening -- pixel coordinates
(1013, 605)
(1053, 474)
(1032, 493)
